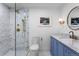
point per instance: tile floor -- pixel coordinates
(22, 53)
(44, 53)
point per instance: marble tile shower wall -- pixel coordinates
(4, 30)
(12, 28)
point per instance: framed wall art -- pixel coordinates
(45, 21)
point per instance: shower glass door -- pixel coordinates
(21, 32)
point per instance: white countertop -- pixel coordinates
(64, 38)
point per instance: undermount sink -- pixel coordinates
(63, 36)
(75, 44)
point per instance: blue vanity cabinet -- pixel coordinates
(69, 52)
(53, 45)
(66, 51)
(56, 48)
(59, 49)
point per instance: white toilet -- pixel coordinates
(34, 50)
(35, 46)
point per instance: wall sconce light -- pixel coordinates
(61, 21)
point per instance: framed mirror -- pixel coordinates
(73, 18)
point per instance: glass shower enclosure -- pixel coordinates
(22, 32)
(14, 30)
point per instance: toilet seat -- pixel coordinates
(34, 47)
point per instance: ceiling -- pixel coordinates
(34, 5)
(10, 5)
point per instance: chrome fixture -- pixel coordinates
(72, 35)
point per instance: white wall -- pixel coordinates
(36, 30)
(4, 29)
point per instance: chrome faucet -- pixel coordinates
(72, 32)
(72, 35)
